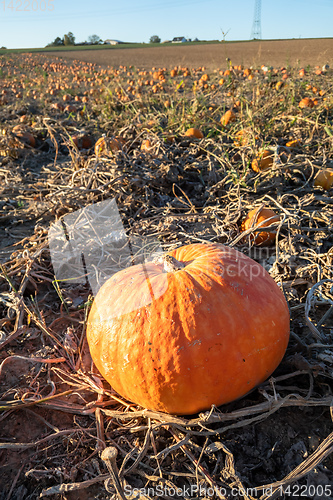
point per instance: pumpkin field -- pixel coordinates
(235, 155)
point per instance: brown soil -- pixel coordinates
(300, 52)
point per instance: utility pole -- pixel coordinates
(256, 27)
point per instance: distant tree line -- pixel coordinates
(69, 39)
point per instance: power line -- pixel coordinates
(256, 27)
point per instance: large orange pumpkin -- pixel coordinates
(204, 327)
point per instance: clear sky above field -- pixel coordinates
(35, 23)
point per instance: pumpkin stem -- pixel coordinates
(170, 263)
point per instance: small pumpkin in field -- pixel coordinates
(194, 133)
(306, 102)
(242, 137)
(147, 146)
(106, 145)
(228, 117)
(264, 161)
(324, 179)
(263, 217)
(82, 141)
(21, 132)
(58, 106)
(202, 326)
(205, 77)
(70, 108)
(293, 143)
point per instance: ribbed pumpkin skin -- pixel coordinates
(212, 332)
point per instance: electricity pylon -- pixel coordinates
(256, 27)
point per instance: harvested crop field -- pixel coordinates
(77, 135)
(294, 53)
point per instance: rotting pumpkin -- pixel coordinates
(202, 327)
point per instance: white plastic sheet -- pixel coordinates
(91, 244)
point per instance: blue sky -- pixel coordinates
(34, 23)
